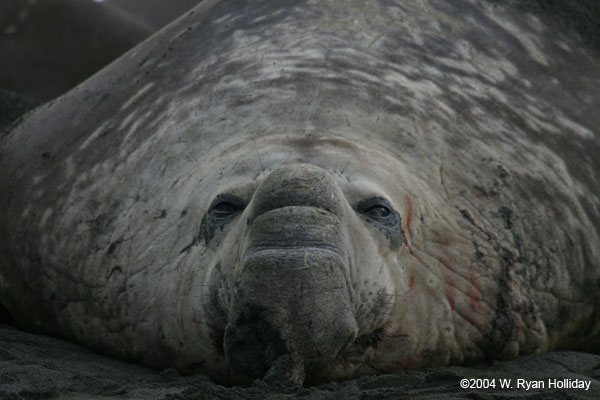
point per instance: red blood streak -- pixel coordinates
(407, 221)
(473, 304)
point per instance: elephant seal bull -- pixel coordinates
(302, 191)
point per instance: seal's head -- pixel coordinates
(291, 296)
(299, 281)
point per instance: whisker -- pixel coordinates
(262, 166)
(345, 165)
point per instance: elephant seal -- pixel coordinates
(303, 191)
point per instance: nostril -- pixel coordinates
(251, 344)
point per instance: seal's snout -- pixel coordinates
(291, 312)
(260, 344)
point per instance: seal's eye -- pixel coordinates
(380, 213)
(225, 206)
(378, 210)
(223, 209)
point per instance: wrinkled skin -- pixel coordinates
(315, 192)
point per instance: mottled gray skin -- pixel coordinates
(314, 190)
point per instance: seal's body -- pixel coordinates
(304, 191)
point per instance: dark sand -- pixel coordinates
(39, 367)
